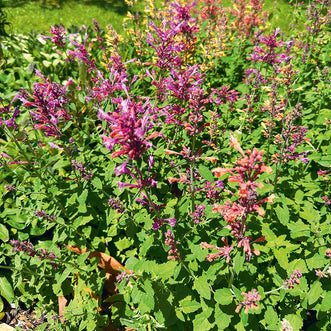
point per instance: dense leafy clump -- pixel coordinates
(175, 177)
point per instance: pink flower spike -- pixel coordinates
(6, 155)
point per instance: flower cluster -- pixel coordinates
(42, 214)
(49, 105)
(58, 37)
(198, 214)
(128, 127)
(173, 251)
(293, 280)
(249, 16)
(125, 276)
(29, 249)
(158, 222)
(117, 205)
(246, 173)
(270, 54)
(213, 190)
(82, 53)
(222, 251)
(10, 188)
(250, 300)
(84, 173)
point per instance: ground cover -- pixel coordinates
(173, 177)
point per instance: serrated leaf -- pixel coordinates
(97, 183)
(202, 287)
(326, 302)
(237, 293)
(189, 305)
(146, 303)
(223, 296)
(315, 292)
(82, 198)
(4, 234)
(81, 258)
(123, 244)
(201, 322)
(206, 173)
(61, 164)
(6, 289)
(222, 319)
(295, 321)
(282, 258)
(238, 262)
(282, 213)
(271, 316)
(310, 214)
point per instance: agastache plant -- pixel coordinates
(246, 173)
(48, 106)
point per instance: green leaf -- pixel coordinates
(309, 213)
(6, 289)
(123, 244)
(61, 164)
(180, 315)
(4, 234)
(146, 303)
(189, 305)
(315, 262)
(244, 317)
(237, 293)
(271, 316)
(295, 321)
(82, 198)
(268, 233)
(282, 258)
(315, 292)
(238, 262)
(299, 195)
(206, 173)
(299, 229)
(201, 322)
(96, 181)
(165, 270)
(82, 258)
(326, 302)
(202, 287)
(222, 319)
(223, 296)
(282, 214)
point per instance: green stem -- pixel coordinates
(25, 271)
(192, 176)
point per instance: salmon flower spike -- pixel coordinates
(169, 152)
(235, 144)
(222, 251)
(172, 180)
(219, 172)
(266, 169)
